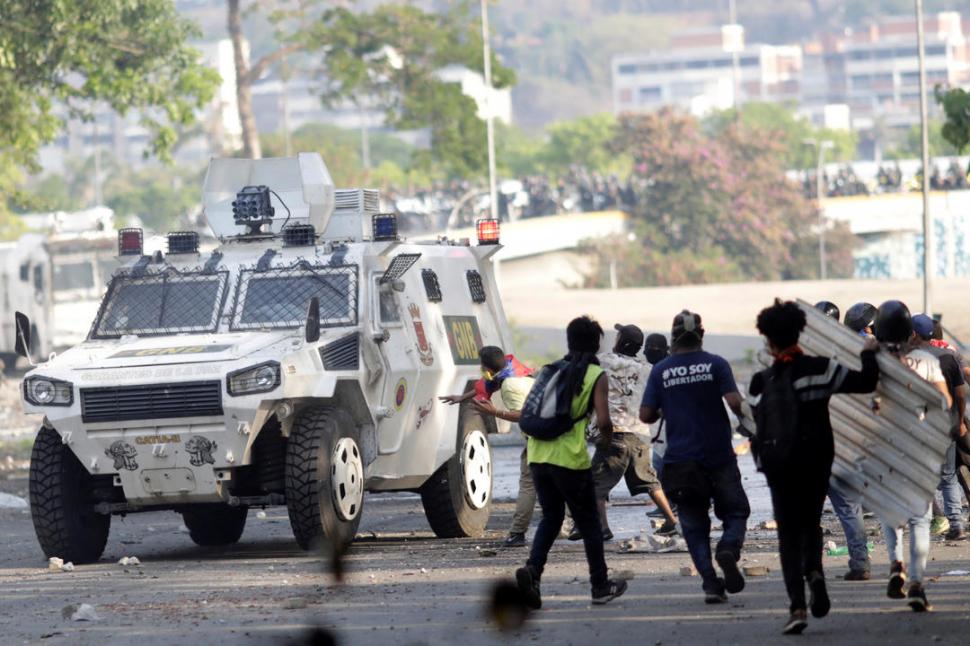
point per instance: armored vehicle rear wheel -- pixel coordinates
(62, 502)
(458, 497)
(324, 478)
(215, 524)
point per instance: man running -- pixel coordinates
(690, 388)
(627, 456)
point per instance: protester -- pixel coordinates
(627, 456)
(846, 502)
(860, 318)
(952, 369)
(656, 350)
(689, 388)
(795, 447)
(561, 467)
(894, 326)
(503, 373)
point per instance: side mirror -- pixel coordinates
(312, 330)
(23, 340)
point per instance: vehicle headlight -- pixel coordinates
(257, 379)
(42, 391)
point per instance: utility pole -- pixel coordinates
(928, 264)
(285, 104)
(98, 197)
(489, 117)
(820, 147)
(735, 62)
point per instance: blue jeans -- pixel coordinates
(848, 508)
(950, 488)
(730, 506)
(919, 543)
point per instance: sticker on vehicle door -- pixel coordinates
(465, 339)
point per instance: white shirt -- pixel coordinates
(627, 381)
(925, 365)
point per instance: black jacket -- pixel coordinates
(815, 380)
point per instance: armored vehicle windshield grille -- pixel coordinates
(475, 286)
(278, 298)
(166, 302)
(342, 354)
(153, 401)
(431, 285)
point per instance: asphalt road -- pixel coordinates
(402, 586)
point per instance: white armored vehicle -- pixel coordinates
(299, 363)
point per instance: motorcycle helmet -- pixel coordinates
(828, 308)
(860, 316)
(894, 324)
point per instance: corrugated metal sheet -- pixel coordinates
(888, 445)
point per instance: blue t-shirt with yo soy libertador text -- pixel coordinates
(688, 389)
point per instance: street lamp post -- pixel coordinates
(820, 147)
(489, 125)
(928, 264)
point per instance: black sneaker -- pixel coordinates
(796, 623)
(575, 535)
(514, 540)
(897, 580)
(955, 534)
(714, 592)
(528, 584)
(819, 600)
(916, 598)
(857, 575)
(667, 529)
(608, 592)
(733, 581)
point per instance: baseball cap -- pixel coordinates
(629, 336)
(686, 322)
(923, 326)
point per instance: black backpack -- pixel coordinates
(546, 412)
(776, 418)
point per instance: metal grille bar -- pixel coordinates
(152, 401)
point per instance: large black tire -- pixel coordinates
(446, 499)
(62, 503)
(319, 509)
(217, 524)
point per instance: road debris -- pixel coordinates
(55, 564)
(294, 603)
(755, 570)
(261, 514)
(688, 570)
(646, 542)
(769, 524)
(84, 612)
(957, 573)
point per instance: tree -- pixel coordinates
(780, 123)
(62, 58)
(956, 108)
(584, 141)
(713, 206)
(393, 55)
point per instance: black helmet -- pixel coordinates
(828, 308)
(860, 316)
(893, 322)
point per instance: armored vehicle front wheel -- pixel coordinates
(324, 477)
(215, 524)
(62, 499)
(458, 497)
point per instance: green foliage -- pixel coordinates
(780, 123)
(714, 205)
(584, 141)
(161, 197)
(911, 144)
(393, 53)
(956, 107)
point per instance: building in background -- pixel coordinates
(705, 70)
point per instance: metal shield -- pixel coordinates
(889, 445)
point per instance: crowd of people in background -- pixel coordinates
(888, 178)
(459, 203)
